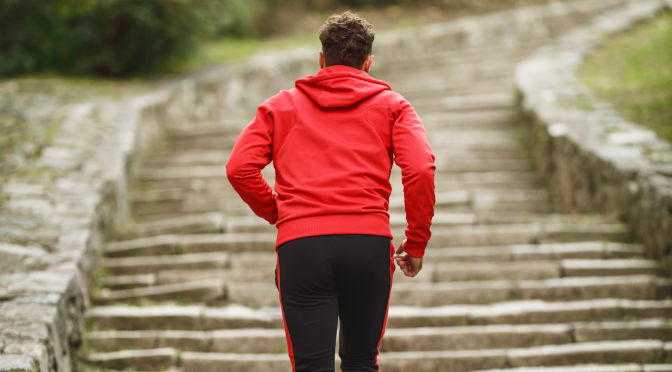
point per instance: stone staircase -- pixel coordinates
(508, 282)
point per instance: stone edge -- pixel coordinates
(594, 159)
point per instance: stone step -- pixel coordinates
(475, 120)
(92, 368)
(128, 281)
(529, 270)
(588, 267)
(178, 202)
(172, 207)
(142, 359)
(436, 77)
(475, 255)
(531, 252)
(217, 173)
(451, 164)
(451, 65)
(472, 102)
(191, 157)
(207, 290)
(192, 243)
(504, 84)
(245, 224)
(195, 317)
(259, 268)
(193, 224)
(509, 212)
(178, 276)
(496, 179)
(491, 142)
(155, 263)
(483, 120)
(515, 200)
(521, 336)
(555, 289)
(239, 224)
(448, 159)
(491, 204)
(457, 134)
(448, 235)
(523, 233)
(457, 55)
(488, 189)
(263, 271)
(528, 312)
(205, 362)
(630, 351)
(187, 317)
(262, 340)
(493, 82)
(630, 367)
(203, 224)
(430, 294)
(213, 141)
(245, 340)
(477, 152)
(205, 129)
(162, 173)
(450, 181)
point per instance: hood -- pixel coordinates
(340, 86)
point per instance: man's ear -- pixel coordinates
(367, 63)
(322, 63)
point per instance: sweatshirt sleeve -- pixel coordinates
(252, 152)
(416, 160)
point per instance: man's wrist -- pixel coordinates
(414, 249)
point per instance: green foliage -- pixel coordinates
(634, 72)
(106, 37)
(237, 18)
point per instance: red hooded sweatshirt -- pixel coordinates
(333, 139)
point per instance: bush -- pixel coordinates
(106, 37)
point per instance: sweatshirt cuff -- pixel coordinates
(415, 249)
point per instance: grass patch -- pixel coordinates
(633, 71)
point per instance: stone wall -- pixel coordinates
(58, 208)
(594, 159)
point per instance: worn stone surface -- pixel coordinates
(17, 363)
(631, 367)
(593, 158)
(636, 351)
(88, 180)
(149, 359)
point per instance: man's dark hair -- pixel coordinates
(346, 40)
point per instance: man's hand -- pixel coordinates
(410, 265)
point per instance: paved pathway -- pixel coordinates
(507, 282)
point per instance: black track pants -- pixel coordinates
(324, 278)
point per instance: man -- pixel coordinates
(333, 139)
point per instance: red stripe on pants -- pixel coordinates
(284, 322)
(392, 267)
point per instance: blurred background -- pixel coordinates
(121, 38)
(54, 52)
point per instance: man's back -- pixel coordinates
(334, 138)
